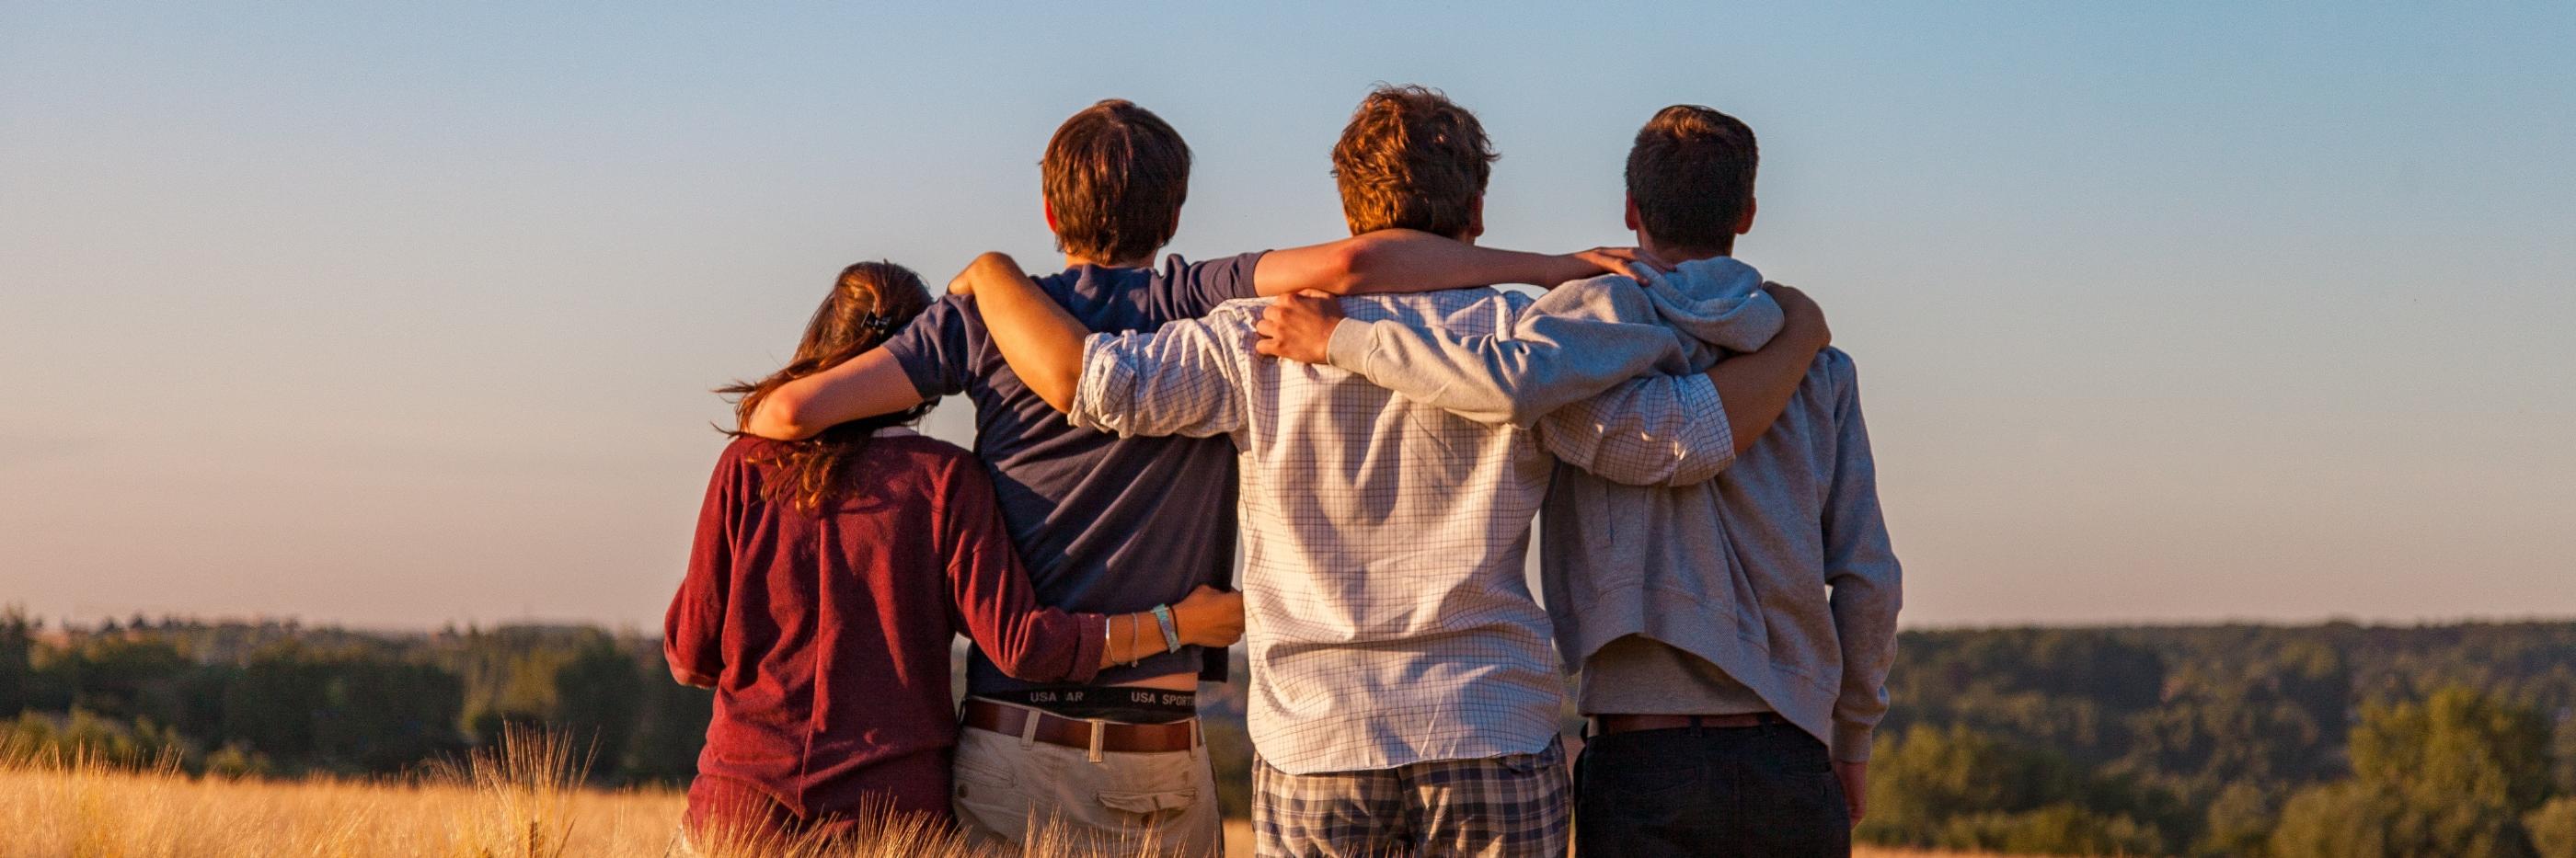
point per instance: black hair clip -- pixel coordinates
(877, 323)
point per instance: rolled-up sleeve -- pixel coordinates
(1861, 567)
(1665, 430)
(1184, 379)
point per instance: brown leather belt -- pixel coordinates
(1607, 724)
(1114, 737)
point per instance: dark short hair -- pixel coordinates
(1411, 159)
(1691, 175)
(1115, 176)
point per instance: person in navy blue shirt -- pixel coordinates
(1108, 524)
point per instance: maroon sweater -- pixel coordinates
(827, 636)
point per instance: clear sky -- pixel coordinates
(403, 316)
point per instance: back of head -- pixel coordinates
(1412, 159)
(1691, 176)
(1115, 176)
(868, 303)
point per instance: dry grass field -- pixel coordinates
(524, 803)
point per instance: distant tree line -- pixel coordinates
(2289, 742)
(280, 699)
(2335, 740)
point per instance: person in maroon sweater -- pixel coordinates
(829, 578)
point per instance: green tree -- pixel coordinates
(2458, 744)
(598, 703)
(17, 667)
(2451, 775)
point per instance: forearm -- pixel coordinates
(1865, 624)
(1399, 260)
(1132, 637)
(865, 386)
(1042, 342)
(1652, 431)
(1757, 387)
(1561, 352)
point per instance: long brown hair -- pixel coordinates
(869, 302)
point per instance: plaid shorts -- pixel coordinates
(1506, 807)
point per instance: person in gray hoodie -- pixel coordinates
(1733, 636)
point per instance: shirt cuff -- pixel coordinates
(1091, 637)
(1705, 411)
(1106, 378)
(1851, 741)
(1349, 347)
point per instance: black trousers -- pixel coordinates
(1757, 792)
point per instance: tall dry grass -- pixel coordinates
(525, 800)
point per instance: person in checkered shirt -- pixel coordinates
(1405, 690)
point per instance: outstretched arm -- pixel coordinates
(1572, 346)
(865, 386)
(1404, 260)
(1042, 342)
(1179, 380)
(992, 601)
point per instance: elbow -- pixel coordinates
(993, 263)
(1058, 395)
(1029, 665)
(685, 676)
(784, 415)
(1696, 469)
(1356, 266)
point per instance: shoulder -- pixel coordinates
(740, 464)
(743, 450)
(923, 449)
(948, 316)
(1834, 368)
(1616, 297)
(1600, 284)
(1237, 313)
(1176, 268)
(926, 467)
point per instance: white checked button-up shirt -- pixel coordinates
(1388, 620)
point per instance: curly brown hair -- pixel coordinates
(1412, 159)
(869, 302)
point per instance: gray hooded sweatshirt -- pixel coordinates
(1777, 573)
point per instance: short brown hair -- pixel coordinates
(1691, 175)
(1411, 159)
(1115, 176)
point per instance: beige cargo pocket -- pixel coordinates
(1150, 807)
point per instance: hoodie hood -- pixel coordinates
(1719, 302)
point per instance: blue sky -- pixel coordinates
(403, 316)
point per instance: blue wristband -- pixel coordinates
(1171, 633)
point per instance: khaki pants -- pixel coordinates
(1011, 787)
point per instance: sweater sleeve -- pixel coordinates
(693, 630)
(1575, 342)
(1861, 567)
(991, 599)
